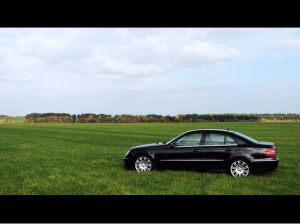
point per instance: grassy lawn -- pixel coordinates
(18, 119)
(79, 159)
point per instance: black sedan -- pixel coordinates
(212, 149)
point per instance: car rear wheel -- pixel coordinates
(143, 163)
(239, 168)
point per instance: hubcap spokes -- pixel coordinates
(239, 168)
(143, 164)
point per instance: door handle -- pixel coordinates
(196, 150)
(228, 150)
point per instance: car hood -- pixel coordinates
(152, 145)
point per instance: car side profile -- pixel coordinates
(211, 149)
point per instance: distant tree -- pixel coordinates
(53, 119)
(7, 119)
(74, 118)
(91, 119)
(118, 119)
(144, 118)
(39, 120)
(151, 119)
(126, 118)
(109, 120)
(25, 121)
(67, 119)
(82, 120)
(78, 118)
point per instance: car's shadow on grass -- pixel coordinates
(256, 174)
(190, 169)
(203, 170)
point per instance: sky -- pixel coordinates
(140, 71)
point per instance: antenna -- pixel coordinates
(228, 129)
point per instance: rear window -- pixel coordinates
(246, 137)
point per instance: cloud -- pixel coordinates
(53, 50)
(207, 52)
(287, 44)
(105, 66)
(153, 55)
(222, 34)
(111, 53)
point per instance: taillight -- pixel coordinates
(271, 152)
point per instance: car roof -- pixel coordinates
(204, 130)
(222, 130)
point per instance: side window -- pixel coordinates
(229, 141)
(218, 139)
(189, 140)
(214, 139)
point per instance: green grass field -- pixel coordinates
(87, 159)
(18, 119)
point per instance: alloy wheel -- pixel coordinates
(239, 168)
(143, 163)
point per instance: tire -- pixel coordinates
(239, 168)
(143, 163)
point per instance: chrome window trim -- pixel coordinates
(218, 145)
(189, 146)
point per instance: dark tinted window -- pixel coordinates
(218, 139)
(189, 140)
(246, 137)
(229, 141)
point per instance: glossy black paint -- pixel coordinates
(215, 155)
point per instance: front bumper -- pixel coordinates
(127, 162)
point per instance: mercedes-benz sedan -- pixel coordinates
(211, 149)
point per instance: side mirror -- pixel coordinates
(172, 144)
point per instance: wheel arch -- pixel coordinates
(145, 153)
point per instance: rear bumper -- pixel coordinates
(265, 164)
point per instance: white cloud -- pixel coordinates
(288, 44)
(112, 53)
(206, 52)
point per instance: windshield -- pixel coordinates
(246, 137)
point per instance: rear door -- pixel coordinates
(216, 148)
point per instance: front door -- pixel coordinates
(186, 150)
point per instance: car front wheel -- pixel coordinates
(239, 168)
(143, 163)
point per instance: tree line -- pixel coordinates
(152, 118)
(7, 119)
